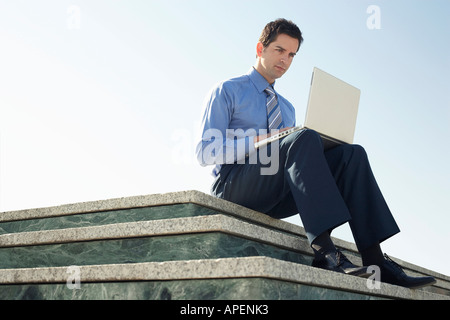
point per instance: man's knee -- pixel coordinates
(352, 153)
(358, 151)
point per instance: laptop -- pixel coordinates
(332, 111)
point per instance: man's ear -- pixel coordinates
(259, 49)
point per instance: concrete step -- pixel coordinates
(232, 279)
(211, 237)
(157, 232)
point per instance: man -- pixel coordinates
(327, 188)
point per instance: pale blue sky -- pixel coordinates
(102, 99)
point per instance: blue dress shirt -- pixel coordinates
(235, 112)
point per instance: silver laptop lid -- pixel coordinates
(332, 107)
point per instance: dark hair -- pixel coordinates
(277, 27)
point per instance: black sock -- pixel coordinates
(372, 255)
(322, 245)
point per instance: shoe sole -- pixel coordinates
(356, 272)
(360, 272)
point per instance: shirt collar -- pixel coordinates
(258, 80)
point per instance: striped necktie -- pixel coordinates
(275, 120)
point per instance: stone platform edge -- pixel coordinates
(249, 267)
(189, 225)
(182, 197)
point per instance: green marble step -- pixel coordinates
(202, 289)
(201, 237)
(181, 226)
(87, 219)
(130, 209)
(211, 245)
(255, 278)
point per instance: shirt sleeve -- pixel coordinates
(218, 143)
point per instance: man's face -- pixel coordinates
(275, 59)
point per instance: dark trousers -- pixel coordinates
(326, 188)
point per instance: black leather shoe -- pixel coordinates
(337, 261)
(392, 273)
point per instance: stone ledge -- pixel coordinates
(213, 223)
(166, 227)
(194, 197)
(251, 267)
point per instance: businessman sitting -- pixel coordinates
(327, 188)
